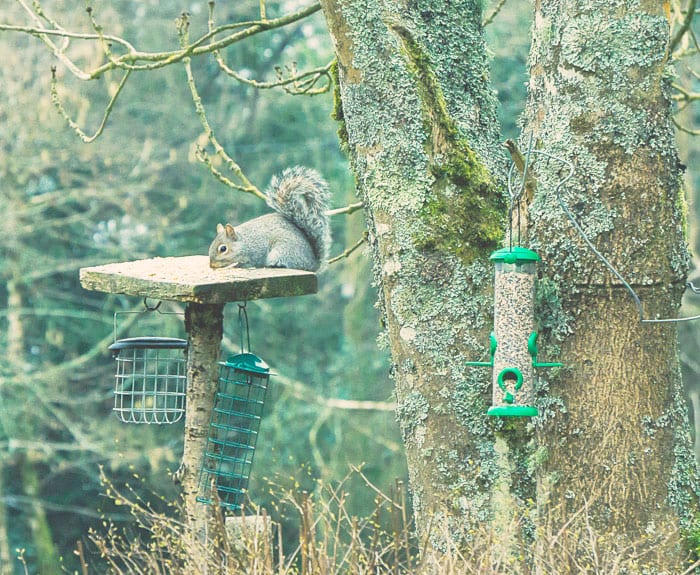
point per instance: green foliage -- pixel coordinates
(337, 113)
(553, 322)
(691, 538)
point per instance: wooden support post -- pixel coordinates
(204, 326)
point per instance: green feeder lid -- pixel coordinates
(514, 255)
(247, 362)
(513, 411)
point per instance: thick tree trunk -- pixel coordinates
(615, 434)
(419, 123)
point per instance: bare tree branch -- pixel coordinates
(496, 10)
(301, 83)
(134, 59)
(349, 209)
(246, 185)
(74, 125)
(684, 95)
(684, 129)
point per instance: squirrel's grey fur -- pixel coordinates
(296, 235)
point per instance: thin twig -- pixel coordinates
(374, 488)
(490, 18)
(684, 95)
(43, 35)
(684, 129)
(350, 250)
(203, 157)
(349, 209)
(55, 98)
(247, 186)
(692, 568)
(302, 83)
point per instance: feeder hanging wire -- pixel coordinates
(243, 322)
(146, 308)
(516, 197)
(570, 216)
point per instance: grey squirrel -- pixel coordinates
(296, 235)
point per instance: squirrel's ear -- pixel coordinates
(230, 232)
(219, 229)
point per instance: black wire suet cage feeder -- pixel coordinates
(150, 377)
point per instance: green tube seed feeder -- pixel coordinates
(513, 342)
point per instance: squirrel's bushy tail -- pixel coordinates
(301, 195)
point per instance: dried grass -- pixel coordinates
(332, 542)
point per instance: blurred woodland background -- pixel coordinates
(139, 191)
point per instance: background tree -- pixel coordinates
(421, 129)
(600, 96)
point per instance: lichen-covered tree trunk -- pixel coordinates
(616, 463)
(418, 119)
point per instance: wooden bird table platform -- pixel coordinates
(190, 279)
(205, 291)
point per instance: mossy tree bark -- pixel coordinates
(418, 120)
(615, 433)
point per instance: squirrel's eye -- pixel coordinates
(223, 249)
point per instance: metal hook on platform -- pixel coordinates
(151, 308)
(146, 309)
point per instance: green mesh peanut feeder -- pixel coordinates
(150, 379)
(233, 431)
(513, 345)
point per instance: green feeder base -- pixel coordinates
(513, 411)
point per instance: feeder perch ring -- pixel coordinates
(510, 374)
